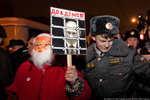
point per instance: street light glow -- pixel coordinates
(133, 20)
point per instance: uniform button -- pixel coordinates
(120, 73)
(100, 80)
(98, 59)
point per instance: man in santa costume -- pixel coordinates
(39, 79)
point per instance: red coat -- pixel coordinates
(30, 83)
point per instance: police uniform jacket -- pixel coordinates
(113, 75)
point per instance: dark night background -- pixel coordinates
(39, 10)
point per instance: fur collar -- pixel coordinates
(119, 48)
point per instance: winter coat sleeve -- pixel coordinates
(11, 90)
(86, 93)
(141, 66)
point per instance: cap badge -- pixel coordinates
(109, 26)
(132, 33)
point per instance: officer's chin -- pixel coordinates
(104, 51)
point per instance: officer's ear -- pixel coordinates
(93, 37)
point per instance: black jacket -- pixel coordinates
(113, 75)
(6, 73)
(19, 57)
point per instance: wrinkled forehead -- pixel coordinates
(43, 39)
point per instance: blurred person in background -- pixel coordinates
(119, 35)
(142, 85)
(132, 38)
(30, 42)
(145, 51)
(6, 68)
(19, 52)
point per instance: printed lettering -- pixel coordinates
(61, 12)
(81, 15)
(69, 13)
(77, 15)
(53, 11)
(66, 13)
(57, 11)
(73, 14)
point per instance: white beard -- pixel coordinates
(41, 59)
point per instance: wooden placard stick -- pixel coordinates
(69, 60)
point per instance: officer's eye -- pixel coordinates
(102, 41)
(110, 40)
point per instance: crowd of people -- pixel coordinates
(114, 66)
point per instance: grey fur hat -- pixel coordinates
(132, 33)
(105, 24)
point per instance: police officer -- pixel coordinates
(19, 54)
(111, 65)
(132, 37)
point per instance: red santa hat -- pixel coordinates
(40, 35)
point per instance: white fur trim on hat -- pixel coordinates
(43, 34)
(40, 35)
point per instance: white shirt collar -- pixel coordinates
(97, 51)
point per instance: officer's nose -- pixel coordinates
(107, 44)
(132, 42)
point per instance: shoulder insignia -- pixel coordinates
(90, 65)
(114, 60)
(142, 58)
